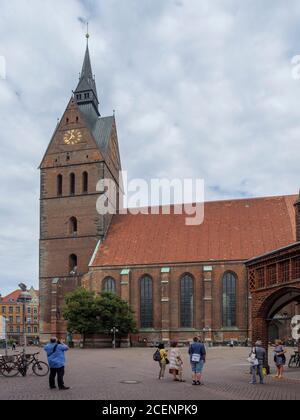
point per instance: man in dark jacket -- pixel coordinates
(56, 358)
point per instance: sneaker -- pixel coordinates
(64, 388)
(194, 383)
(53, 387)
(198, 383)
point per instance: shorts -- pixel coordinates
(197, 367)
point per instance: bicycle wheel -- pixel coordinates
(10, 369)
(40, 369)
(292, 361)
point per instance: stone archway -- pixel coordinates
(267, 306)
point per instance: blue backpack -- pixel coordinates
(156, 356)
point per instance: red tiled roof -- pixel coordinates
(232, 230)
(12, 296)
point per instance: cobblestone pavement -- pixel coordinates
(98, 375)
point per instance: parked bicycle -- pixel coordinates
(23, 363)
(294, 360)
(8, 366)
(11, 366)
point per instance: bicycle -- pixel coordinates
(8, 366)
(294, 360)
(25, 361)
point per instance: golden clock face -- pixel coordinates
(72, 137)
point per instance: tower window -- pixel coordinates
(72, 184)
(73, 225)
(79, 96)
(86, 95)
(59, 185)
(85, 182)
(67, 120)
(77, 119)
(73, 264)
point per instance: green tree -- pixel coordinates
(80, 312)
(112, 311)
(87, 313)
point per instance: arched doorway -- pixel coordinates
(265, 313)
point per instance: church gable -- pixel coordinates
(72, 134)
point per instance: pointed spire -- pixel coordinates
(86, 91)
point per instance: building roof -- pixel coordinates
(233, 230)
(12, 297)
(100, 127)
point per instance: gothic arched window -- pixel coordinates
(72, 184)
(59, 185)
(146, 302)
(85, 182)
(109, 285)
(187, 301)
(73, 225)
(229, 299)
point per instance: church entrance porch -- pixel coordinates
(274, 282)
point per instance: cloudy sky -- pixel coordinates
(201, 88)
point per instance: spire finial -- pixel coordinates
(87, 33)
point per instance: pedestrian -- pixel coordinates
(176, 363)
(163, 360)
(197, 354)
(14, 346)
(279, 358)
(257, 360)
(56, 358)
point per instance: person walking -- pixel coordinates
(197, 354)
(176, 363)
(163, 360)
(56, 358)
(257, 361)
(279, 358)
(14, 346)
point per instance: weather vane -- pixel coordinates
(87, 32)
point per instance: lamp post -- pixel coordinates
(114, 330)
(24, 297)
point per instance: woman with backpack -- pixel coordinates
(163, 360)
(279, 358)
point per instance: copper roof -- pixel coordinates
(233, 230)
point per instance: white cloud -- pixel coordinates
(201, 89)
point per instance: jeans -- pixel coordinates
(162, 365)
(259, 370)
(60, 377)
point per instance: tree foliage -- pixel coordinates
(87, 313)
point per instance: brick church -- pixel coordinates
(180, 280)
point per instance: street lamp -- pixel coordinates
(24, 297)
(114, 330)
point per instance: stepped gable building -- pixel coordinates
(180, 280)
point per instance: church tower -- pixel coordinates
(83, 150)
